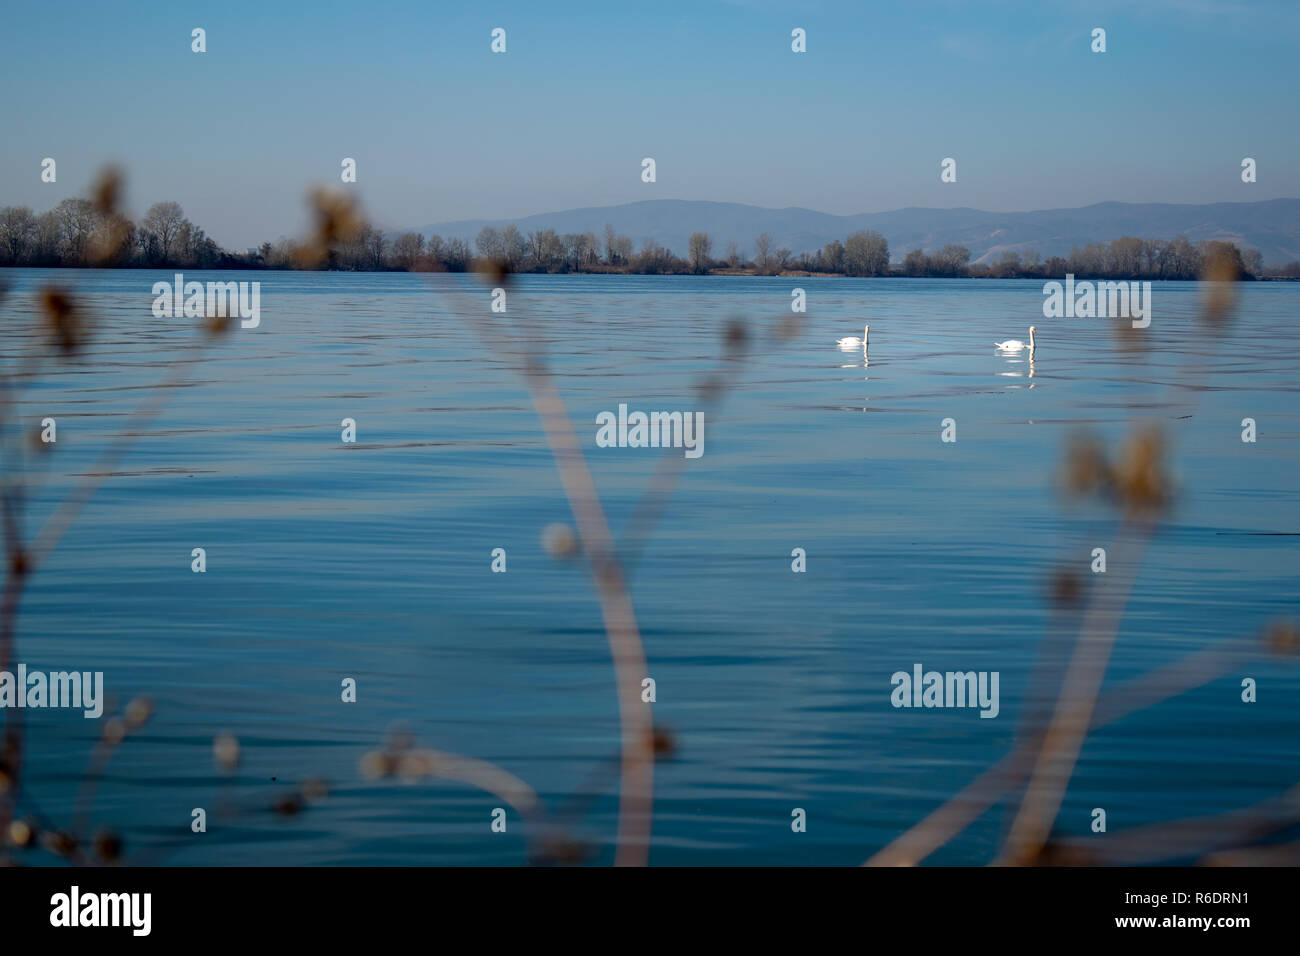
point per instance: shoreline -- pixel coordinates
(713, 273)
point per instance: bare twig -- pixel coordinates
(981, 794)
(1073, 716)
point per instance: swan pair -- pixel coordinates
(1010, 345)
(1015, 345)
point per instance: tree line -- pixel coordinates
(1125, 258)
(74, 232)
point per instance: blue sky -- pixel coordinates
(443, 129)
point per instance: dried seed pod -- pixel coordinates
(288, 805)
(23, 833)
(1057, 854)
(1065, 588)
(107, 846)
(1282, 637)
(377, 765)
(110, 244)
(1086, 469)
(663, 742)
(736, 335)
(114, 731)
(38, 447)
(225, 749)
(315, 789)
(494, 271)
(415, 765)
(63, 319)
(560, 851)
(19, 564)
(1142, 482)
(559, 541)
(106, 193)
(336, 216)
(215, 325)
(58, 843)
(710, 388)
(1220, 273)
(138, 712)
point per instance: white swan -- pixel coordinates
(852, 341)
(1015, 345)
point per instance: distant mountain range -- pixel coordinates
(1271, 226)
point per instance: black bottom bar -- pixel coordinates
(926, 905)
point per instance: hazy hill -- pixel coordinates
(1271, 226)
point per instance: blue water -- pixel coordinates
(372, 560)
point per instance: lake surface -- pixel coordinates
(373, 560)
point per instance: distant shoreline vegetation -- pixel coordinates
(74, 233)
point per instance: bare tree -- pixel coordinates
(435, 254)
(1126, 254)
(699, 247)
(376, 249)
(17, 227)
(489, 243)
(407, 249)
(592, 256)
(514, 247)
(951, 260)
(185, 243)
(833, 256)
(46, 243)
(575, 250)
(77, 222)
(1254, 261)
(866, 254)
(623, 250)
(1007, 266)
(763, 253)
(546, 248)
(610, 240)
(164, 220)
(456, 254)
